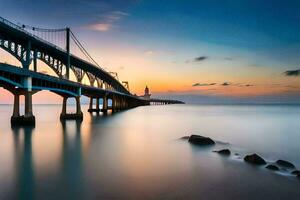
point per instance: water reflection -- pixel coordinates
(72, 159)
(70, 167)
(24, 166)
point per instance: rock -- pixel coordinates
(200, 140)
(236, 154)
(185, 137)
(272, 167)
(298, 176)
(225, 152)
(255, 159)
(284, 163)
(296, 172)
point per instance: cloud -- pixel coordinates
(197, 59)
(106, 21)
(203, 84)
(236, 84)
(149, 52)
(226, 84)
(292, 72)
(200, 58)
(223, 84)
(102, 27)
(228, 58)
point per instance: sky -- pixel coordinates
(200, 51)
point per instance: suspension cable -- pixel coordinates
(84, 51)
(46, 34)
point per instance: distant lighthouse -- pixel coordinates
(147, 93)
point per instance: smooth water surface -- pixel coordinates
(137, 154)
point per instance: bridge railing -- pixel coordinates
(15, 26)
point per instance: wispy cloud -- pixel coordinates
(197, 59)
(200, 58)
(237, 84)
(223, 84)
(292, 72)
(228, 58)
(226, 84)
(103, 27)
(149, 52)
(203, 84)
(106, 21)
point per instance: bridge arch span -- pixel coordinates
(9, 51)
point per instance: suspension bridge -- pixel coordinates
(61, 51)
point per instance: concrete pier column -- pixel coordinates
(78, 106)
(28, 119)
(64, 106)
(71, 116)
(91, 104)
(28, 104)
(105, 104)
(97, 104)
(123, 103)
(114, 103)
(117, 107)
(16, 112)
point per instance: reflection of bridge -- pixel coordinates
(28, 46)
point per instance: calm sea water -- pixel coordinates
(136, 154)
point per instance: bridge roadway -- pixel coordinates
(20, 81)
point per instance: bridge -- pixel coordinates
(29, 44)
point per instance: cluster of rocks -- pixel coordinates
(283, 164)
(251, 159)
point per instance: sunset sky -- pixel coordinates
(236, 49)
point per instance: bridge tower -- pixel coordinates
(68, 52)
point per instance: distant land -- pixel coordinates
(207, 99)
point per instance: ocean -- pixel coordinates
(138, 153)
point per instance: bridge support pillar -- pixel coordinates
(91, 109)
(91, 105)
(67, 116)
(26, 120)
(16, 112)
(97, 104)
(64, 106)
(78, 106)
(105, 104)
(114, 104)
(28, 104)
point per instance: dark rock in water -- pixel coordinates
(296, 172)
(284, 163)
(298, 176)
(236, 154)
(225, 152)
(272, 167)
(185, 137)
(255, 159)
(200, 140)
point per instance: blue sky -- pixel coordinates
(242, 42)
